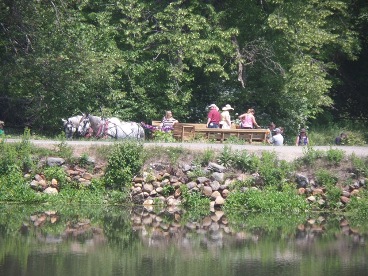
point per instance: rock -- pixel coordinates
(219, 177)
(54, 183)
(177, 193)
(216, 167)
(38, 177)
(158, 166)
(344, 199)
(207, 191)
(301, 180)
(42, 183)
(148, 202)
(202, 179)
(51, 191)
(311, 199)
(54, 161)
(173, 179)
(186, 168)
(317, 191)
(301, 191)
(147, 188)
(138, 179)
(225, 193)
(191, 185)
(354, 192)
(219, 200)
(215, 195)
(34, 185)
(215, 185)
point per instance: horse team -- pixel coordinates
(87, 125)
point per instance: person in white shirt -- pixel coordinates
(277, 139)
(225, 117)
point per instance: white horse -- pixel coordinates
(109, 128)
(71, 125)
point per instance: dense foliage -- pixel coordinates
(291, 60)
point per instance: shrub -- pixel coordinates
(245, 162)
(193, 199)
(63, 149)
(326, 178)
(57, 173)
(163, 136)
(335, 156)
(360, 165)
(310, 155)
(269, 199)
(354, 138)
(125, 161)
(207, 156)
(273, 172)
(226, 157)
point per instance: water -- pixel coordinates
(95, 240)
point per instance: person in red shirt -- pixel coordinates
(214, 117)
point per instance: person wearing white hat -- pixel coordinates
(225, 122)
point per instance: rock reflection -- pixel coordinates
(169, 226)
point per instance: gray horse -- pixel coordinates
(71, 125)
(94, 126)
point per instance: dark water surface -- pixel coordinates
(94, 240)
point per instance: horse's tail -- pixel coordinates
(141, 133)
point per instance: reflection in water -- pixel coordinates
(122, 241)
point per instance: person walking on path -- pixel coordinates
(302, 138)
(214, 117)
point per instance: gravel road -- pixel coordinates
(288, 153)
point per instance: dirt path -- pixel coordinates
(288, 153)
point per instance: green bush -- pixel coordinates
(13, 187)
(310, 155)
(193, 199)
(326, 178)
(335, 156)
(355, 138)
(270, 199)
(57, 173)
(125, 161)
(245, 161)
(207, 156)
(359, 165)
(226, 157)
(162, 136)
(272, 171)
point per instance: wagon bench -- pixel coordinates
(187, 131)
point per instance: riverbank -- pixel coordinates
(190, 174)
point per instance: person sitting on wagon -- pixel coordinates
(270, 132)
(225, 117)
(2, 128)
(214, 117)
(248, 121)
(168, 122)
